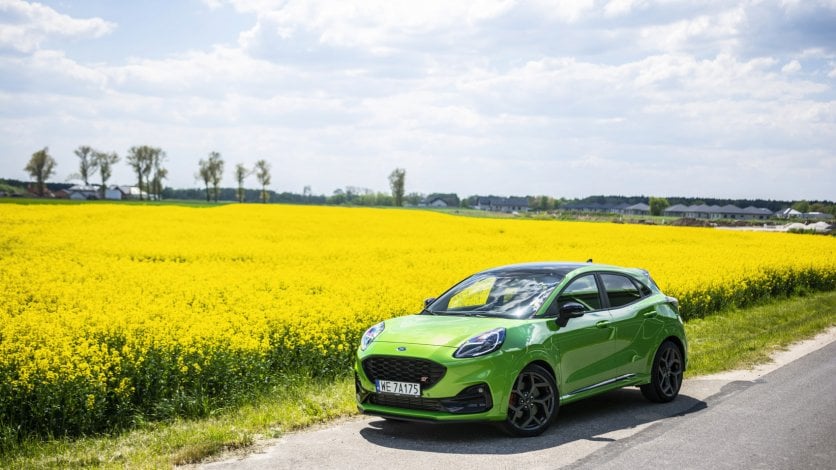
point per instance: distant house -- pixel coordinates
(83, 193)
(788, 213)
(599, 207)
(817, 216)
(441, 200)
(125, 192)
(502, 204)
(638, 209)
(732, 212)
(114, 193)
(437, 202)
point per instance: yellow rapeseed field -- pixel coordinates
(111, 313)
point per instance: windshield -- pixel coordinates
(502, 294)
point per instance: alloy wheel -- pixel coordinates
(532, 403)
(670, 372)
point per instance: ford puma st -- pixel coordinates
(511, 344)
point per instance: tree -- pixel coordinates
(396, 182)
(104, 162)
(658, 205)
(160, 173)
(204, 173)
(211, 172)
(216, 172)
(143, 159)
(802, 206)
(87, 163)
(41, 166)
(414, 198)
(262, 173)
(241, 172)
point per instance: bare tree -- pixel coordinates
(160, 173)
(397, 182)
(211, 172)
(104, 162)
(262, 173)
(241, 172)
(41, 166)
(216, 167)
(87, 163)
(204, 173)
(142, 160)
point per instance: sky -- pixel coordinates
(565, 98)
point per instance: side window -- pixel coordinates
(583, 290)
(620, 290)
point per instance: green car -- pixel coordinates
(512, 344)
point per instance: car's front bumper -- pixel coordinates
(472, 389)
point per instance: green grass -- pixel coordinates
(741, 338)
(163, 445)
(728, 340)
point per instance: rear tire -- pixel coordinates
(532, 404)
(665, 375)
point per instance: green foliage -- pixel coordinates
(41, 166)
(802, 206)
(542, 203)
(658, 205)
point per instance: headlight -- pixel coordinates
(370, 335)
(485, 343)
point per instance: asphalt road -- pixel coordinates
(779, 416)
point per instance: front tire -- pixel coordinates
(533, 402)
(666, 374)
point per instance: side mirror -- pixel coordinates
(572, 310)
(569, 310)
(428, 301)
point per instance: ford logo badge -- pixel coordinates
(401, 348)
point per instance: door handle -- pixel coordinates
(650, 314)
(602, 324)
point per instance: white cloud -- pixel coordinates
(471, 97)
(721, 28)
(615, 8)
(30, 24)
(791, 67)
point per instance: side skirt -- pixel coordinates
(621, 381)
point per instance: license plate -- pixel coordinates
(398, 388)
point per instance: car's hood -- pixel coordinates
(438, 330)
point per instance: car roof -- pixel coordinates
(559, 267)
(544, 267)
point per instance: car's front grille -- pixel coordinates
(405, 401)
(473, 399)
(400, 369)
